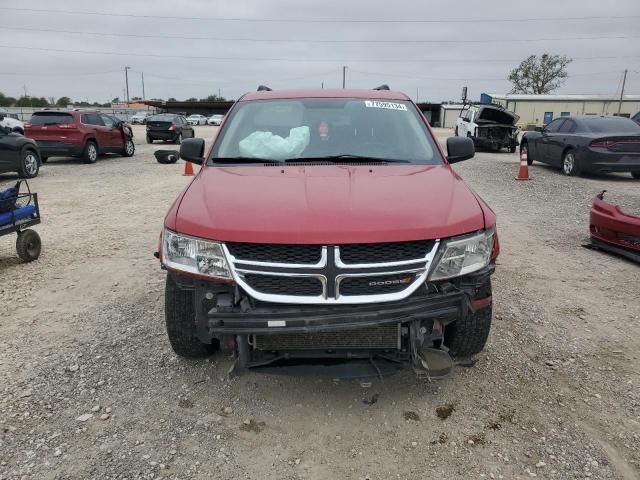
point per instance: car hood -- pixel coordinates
(491, 114)
(327, 204)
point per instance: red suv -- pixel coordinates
(83, 134)
(327, 230)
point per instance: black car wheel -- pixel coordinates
(28, 245)
(29, 164)
(129, 148)
(468, 335)
(149, 139)
(19, 130)
(570, 164)
(180, 317)
(178, 139)
(90, 154)
(636, 175)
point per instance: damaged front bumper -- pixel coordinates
(613, 230)
(496, 136)
(380, 336)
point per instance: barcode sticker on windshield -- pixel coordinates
(387, 105)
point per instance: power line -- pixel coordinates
(419, 78)
(278, 59)
(316, 40)
(320, 20)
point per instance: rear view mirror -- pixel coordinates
(192, 150)
(459, 149)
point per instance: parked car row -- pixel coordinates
(51, 133)
(141, 118)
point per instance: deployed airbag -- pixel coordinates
(273, 147)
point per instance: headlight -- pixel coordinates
(193, 255)
(463, 255)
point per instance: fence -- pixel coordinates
(24, 113)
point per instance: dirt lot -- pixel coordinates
(555, 394)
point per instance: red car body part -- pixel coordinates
(614, 230)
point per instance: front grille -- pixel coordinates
(281, 285)
(375, 285)
(384, 252)
(382, 337)
(276, 253)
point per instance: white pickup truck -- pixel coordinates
(10, 121)
(489, 126)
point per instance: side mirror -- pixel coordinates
(538, 129)
(459, 149)
(192, 150)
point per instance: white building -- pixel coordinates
(538, 110)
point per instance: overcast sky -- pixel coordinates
(407, 48)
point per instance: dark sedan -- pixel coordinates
(168, 127)
(590, 143)
(18, 154)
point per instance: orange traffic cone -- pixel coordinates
(523, 172)
(188, 170)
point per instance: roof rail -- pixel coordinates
(263, 88)
(384, 86)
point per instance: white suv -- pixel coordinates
(140, 117)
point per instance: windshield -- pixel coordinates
(287, 129)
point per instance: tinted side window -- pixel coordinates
(554, 126)
(91, 119)
(567, 127)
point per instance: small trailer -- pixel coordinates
(18, 212)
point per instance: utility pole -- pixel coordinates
(143, 95)
(624, 80)
(126, 79)
(344, 75)
(417, 93)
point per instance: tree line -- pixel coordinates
(39, 102)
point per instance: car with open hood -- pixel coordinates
(327, 230)
(489, 126)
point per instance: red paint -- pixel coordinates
(608, 223)
(328, 204)
(480, 303)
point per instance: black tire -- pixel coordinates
(525, 146)
(43, 159)
(570, 164)
(29, 164)
(90, 153)
(180, 319)
(636, 175)
(19, 130)
(28, 245)
(178, 139)
(456, 131)
(512, 149)
(129, 148)
(149, 139)
(468, 335)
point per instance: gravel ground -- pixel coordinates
(89, 388)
